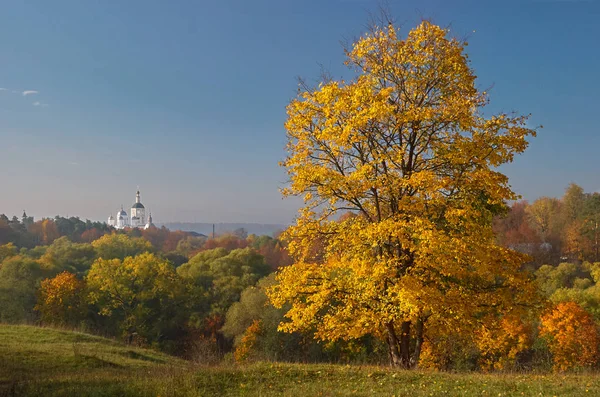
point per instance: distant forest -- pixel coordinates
(553, 230)
(259, 229)
(204, 298)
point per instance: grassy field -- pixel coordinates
(46, 362)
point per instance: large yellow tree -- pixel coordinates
(406, 148)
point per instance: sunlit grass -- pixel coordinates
(40, 361)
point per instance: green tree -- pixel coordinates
(551, 278)
(190, 244)
(142, 296)
(19, 278)
(225, 274)
(6, 251)
(120, 246)
(573, 202)
(63, 254)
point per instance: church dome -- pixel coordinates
(137, 205)
(122, 213)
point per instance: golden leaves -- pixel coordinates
(405, 148)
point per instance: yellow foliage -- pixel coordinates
(438, 354)
(405, 147)
(500, 343)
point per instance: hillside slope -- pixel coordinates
(44, 361)
(47, 362)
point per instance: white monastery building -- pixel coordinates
(137, 219)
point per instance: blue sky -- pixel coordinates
(187, 98)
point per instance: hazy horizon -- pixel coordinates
(187, 100)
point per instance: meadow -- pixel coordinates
(43, 361)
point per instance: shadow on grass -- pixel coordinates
(95, 362)
(142, 357)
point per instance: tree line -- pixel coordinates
(553, 230)
(207, 298)
(170, 290)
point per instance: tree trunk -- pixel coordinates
(418, 343)
(405, 344)
(392, 340)
(399, 349)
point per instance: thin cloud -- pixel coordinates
(3, 89)
(42, 104)
(30, 92)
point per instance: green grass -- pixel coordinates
(47, 362)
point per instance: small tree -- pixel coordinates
(61, 300)
(572, 336)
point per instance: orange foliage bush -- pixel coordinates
(248, 341)
(572, 336)
(61, 300)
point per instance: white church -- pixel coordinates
(137, 219)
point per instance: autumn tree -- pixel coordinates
(406, 146)
(272, 249)
(513, 229)
(227, 241)
(572, 336)
(44, 231)
(61, 300)
(90, 235)
(573, 202)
